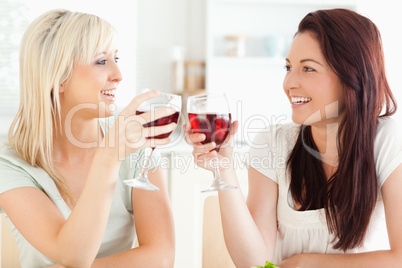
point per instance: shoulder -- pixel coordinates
(9, 156)
(387, 147)
(270, 147)
(14, 171)
(11, 162)
(276, 134)
(274, 142)
(388, 134)
(5, 149)
(388, 126)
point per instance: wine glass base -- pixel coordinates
(141, 183)
(219, 185)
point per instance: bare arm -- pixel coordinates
(154, 226)
(391, 193)
(75, 242)
(254, 223)
(42, 224)
(249, 228)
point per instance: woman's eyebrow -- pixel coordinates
(305, 60)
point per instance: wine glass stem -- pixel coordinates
(217, 173)
(144, 170)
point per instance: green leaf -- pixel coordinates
(268, 264)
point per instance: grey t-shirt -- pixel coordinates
(120, 231)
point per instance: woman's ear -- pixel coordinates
(61, 88)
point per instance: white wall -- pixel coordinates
(386, 15)
(166, 23)
(162, 25)
(122, 15)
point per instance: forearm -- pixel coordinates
(239, 225)
(81, 235)
(384, 258)
(143, 256)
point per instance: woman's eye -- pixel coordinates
(116, 59)
(101, 62)
(288, 68)
(308, 69)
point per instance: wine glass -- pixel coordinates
(162, 100)
(209, 114)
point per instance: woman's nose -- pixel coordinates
(291, 80)
(116, 75)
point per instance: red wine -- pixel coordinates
(173, 118)
(215, 126)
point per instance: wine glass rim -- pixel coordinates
(168, 94)
(162, 93)
(207, 95)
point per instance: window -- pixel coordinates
(13, 22)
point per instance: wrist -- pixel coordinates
(109, 155)
(226, 163)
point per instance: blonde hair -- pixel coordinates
(50, 46)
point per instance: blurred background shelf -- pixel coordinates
(244, 61)
(328, 3)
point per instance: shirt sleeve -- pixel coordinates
(132, 167)
(387, 148)
(262, 154)
(138, 160)
(12, 177)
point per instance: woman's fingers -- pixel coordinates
(147, 143)
(204, 148)
(233, 130)
(187, 128)
(153, 115)
(150, 132)
(156, 142)
(195, 139)
(192, 138)
(133, 105)
(203, 159)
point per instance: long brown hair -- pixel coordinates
(352, 46)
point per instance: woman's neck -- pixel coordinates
(326, 139)
(75, 139)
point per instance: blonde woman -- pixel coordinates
(61, 170)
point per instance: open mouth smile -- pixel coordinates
(300, 100)
(109, 93)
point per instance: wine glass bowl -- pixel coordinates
(215, 127)
(209, 114)
(173, 118)
(160, 101)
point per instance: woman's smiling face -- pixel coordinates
(313, 89)
(93, 84)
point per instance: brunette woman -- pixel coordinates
(337, 201)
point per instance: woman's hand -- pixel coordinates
(128, 133)
(204, 153)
